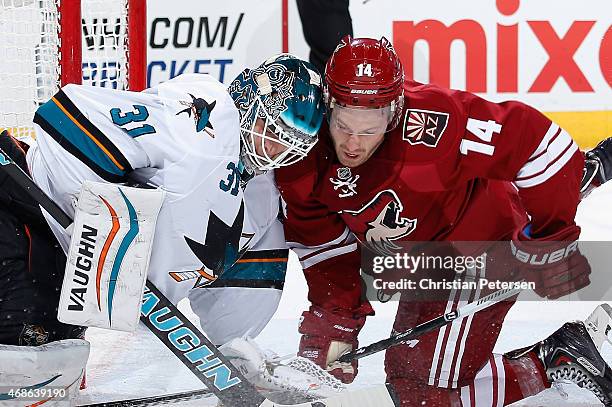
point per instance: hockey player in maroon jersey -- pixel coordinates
(402, 161)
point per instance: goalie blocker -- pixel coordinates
(109, 255)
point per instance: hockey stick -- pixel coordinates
(432, 324)
(187, 342)
(155, 400)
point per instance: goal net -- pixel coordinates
(45, 44)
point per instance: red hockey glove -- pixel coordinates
(554, 263)
(326, 336)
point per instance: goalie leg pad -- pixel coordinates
(109, 256)
(30, 375)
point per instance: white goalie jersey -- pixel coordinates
(182, 136)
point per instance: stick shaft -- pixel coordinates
(433, 324)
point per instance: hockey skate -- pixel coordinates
(282, 380)
(599, 325)
(572, 353)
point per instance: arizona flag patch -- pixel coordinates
(424, 127)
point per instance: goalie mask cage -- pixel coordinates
(45, 44)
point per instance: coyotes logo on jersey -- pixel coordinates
(379, 222)
(424, 127)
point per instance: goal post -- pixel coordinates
(45, 44)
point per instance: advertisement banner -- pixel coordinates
(219, 38)
(556, 58)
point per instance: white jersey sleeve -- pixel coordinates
(182, 136)
(116, 132)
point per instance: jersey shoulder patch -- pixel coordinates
(430, 114)
(424, 127)
(431, 125)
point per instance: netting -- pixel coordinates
(30, 58)
(105, 43)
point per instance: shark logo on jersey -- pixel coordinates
(219, 251)
(202, 276)
(201, 111)
(379, 222)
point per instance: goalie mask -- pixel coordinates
(281, 111)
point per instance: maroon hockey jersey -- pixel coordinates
(456, 168)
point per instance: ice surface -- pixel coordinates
(564, 394)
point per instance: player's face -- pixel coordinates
(357, 133)
(266, 146)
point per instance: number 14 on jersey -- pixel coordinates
(484, 131)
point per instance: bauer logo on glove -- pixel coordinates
(544, 256)
(554, 263)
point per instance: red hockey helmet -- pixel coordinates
(365, 73)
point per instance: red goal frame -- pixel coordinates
(71, 42)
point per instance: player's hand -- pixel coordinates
(554, 263)
(328, 335)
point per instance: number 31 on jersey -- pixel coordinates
(139, 114)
